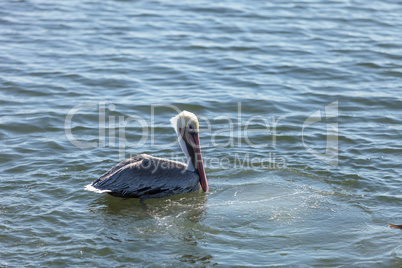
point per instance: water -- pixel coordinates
(255, 73)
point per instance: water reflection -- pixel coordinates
(175, 221)
(192, 204)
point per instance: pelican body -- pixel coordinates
(144, 176)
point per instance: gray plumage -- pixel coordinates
(144, 176)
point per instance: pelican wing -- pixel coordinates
(144, 177)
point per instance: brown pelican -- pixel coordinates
(144, 176)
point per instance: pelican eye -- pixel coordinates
(191, 128)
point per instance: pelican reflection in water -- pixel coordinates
(144, 176)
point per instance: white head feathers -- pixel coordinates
(182, 119)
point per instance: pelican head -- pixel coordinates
(186, 126)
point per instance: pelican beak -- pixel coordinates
(198, 165)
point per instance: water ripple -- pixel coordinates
(254, 75)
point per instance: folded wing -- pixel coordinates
(144, 177)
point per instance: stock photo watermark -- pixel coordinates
(238, 131)
(331, 150)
